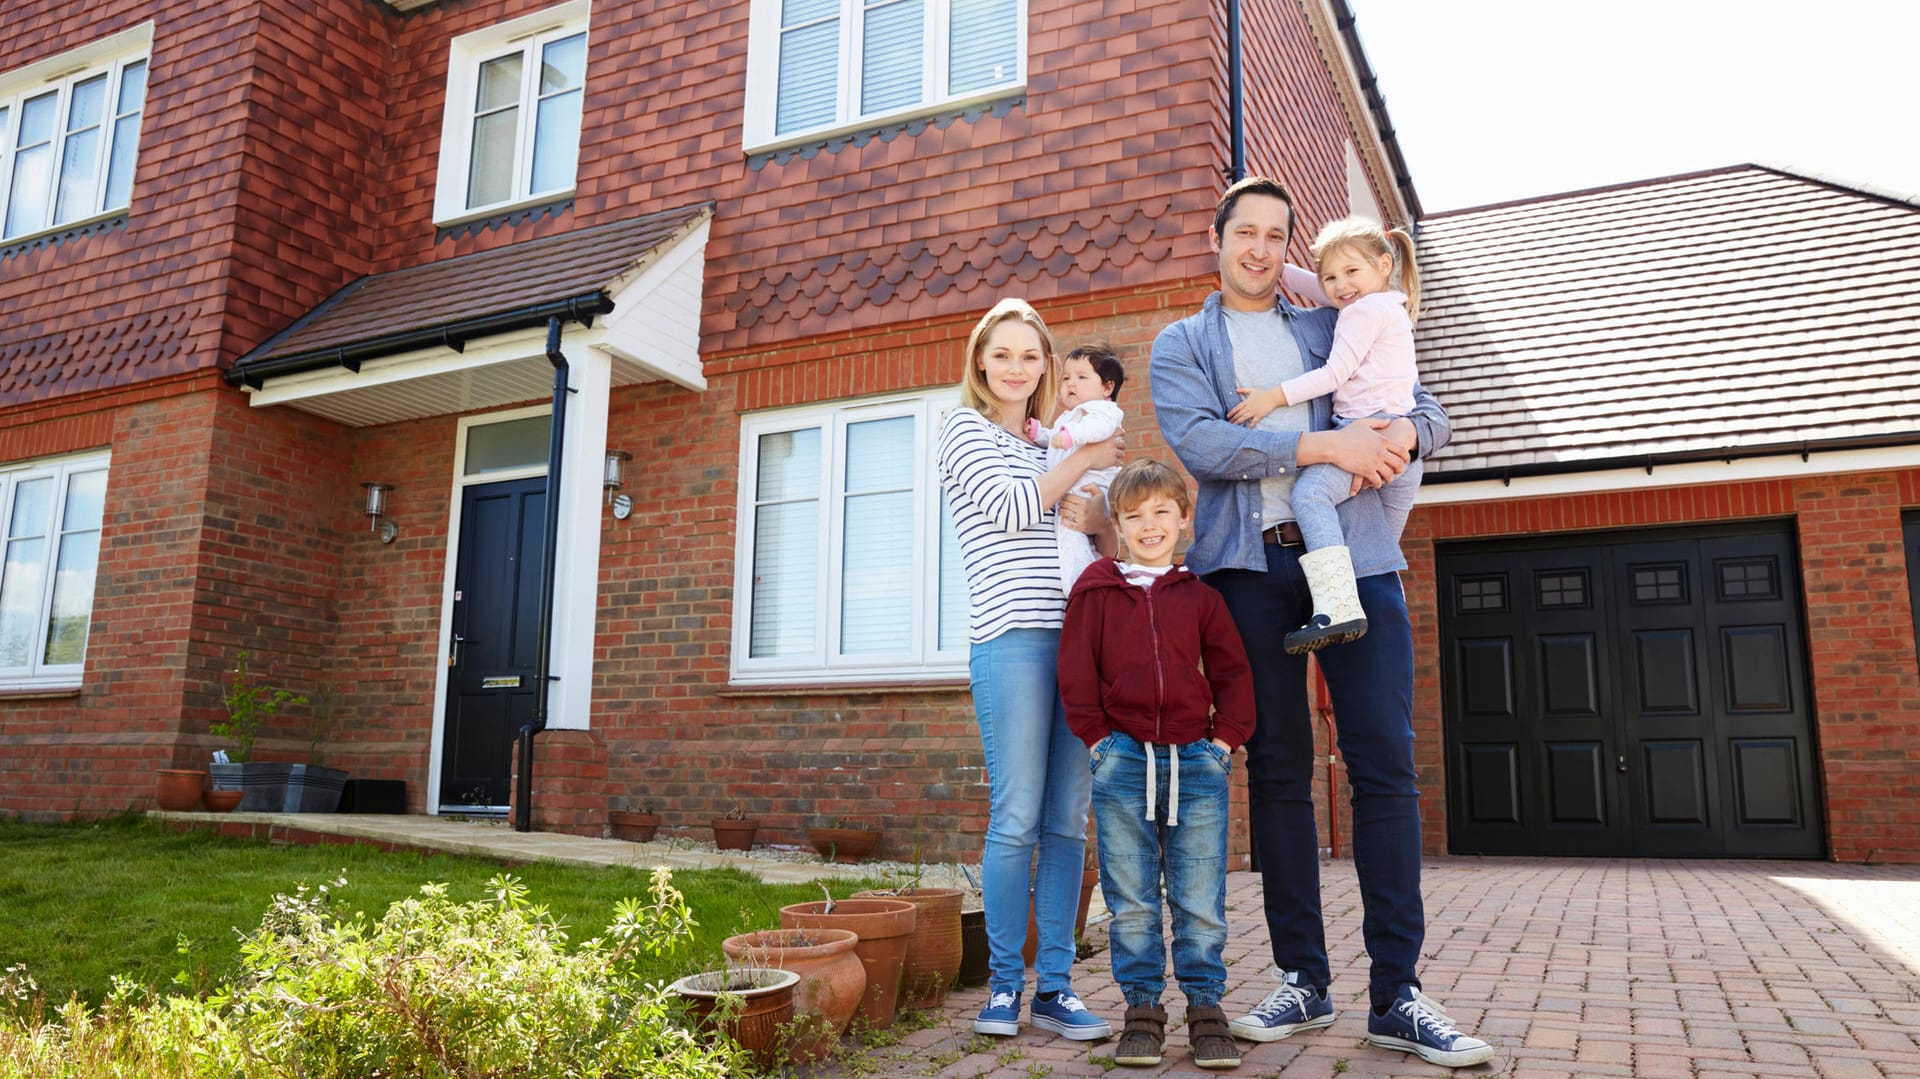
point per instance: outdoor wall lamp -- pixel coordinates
(377, 509)
(612, 481)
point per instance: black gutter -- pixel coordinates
(1370, 86)
(1805, 448)
(1236, 100)
(543, 665)
(453, 335)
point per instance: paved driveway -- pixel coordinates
(1570, 968)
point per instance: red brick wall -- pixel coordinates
(1860, 639)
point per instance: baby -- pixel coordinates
(1090, 379)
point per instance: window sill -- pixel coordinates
(739, 690)
(39, 693)
(513, 213)
(997, 102)
(72, 230)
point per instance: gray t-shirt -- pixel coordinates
(1265, 355)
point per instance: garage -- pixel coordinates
(1643, 694)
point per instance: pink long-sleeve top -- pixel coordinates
(1370, 370)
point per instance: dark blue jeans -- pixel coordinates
(1371, 680)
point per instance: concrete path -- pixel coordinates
(1571, 967)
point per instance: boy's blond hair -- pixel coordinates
(1146, 479)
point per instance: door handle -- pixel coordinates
(1620, 764)
(453, 660)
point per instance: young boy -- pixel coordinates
(1162, 731)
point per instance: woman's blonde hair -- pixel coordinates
(974, 393)
(1371, 241)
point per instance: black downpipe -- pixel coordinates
(1236, 104)
(542, 676)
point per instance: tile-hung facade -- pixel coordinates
(276, 253)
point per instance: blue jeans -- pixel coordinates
(1135, 853)
(1037, 791)
(1371, 680)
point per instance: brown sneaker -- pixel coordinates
(1144, 1036)
(1210, 1040)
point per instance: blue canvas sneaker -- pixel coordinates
(1067, 1017)
(1415, 1024)
(1287, 1010)
(1001, 1015)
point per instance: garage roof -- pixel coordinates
(1700, 315)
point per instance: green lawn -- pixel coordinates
(82, 902)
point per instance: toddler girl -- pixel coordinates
(1090, 379)
(1370, 372)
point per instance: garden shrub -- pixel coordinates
(485, 989)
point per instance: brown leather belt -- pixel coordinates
(1284, 534)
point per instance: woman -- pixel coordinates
(1003, 497)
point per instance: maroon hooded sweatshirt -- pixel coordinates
(1163, 664)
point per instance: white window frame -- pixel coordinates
(763, 75)
(922, 658)
(109, 56)
(525, 34)
(38, 674)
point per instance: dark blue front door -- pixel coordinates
(496, 639)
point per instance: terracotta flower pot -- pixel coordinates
(765, 1011)
(832, 979)
(178, 789)
(221, 801)
(633, 827)
(843, 844)
(1088, 879)
(933, 951)
(883, 926)
(734, 834)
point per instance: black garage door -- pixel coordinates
(1642, 696)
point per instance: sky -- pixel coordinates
(1495, 100)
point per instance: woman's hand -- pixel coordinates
(1106, 453)
(1084, 511)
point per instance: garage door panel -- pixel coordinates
(1493, 783)
(1576, 784)
(1569, 676)
(1676, 782)
(1664, 678)
(1766, 782)
(1754, 668)
(1486, 678)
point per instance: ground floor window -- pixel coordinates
(50, 513)
(846, 565)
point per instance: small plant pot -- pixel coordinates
(314, 788)
(633, 827)
(221, 801)
(765, 1011)
(844, 844)
(265, 783)
(975, 956)
(832, 980)
(177, 790)
(734, 834)
(933, 949)
(883, 926)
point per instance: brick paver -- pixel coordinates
(1572, 968)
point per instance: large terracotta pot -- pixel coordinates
(832, 979)
(933, 951)
(883, 926)
(765, 1011)
(178, 789)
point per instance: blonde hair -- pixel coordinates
(1366, 237)
(1146, 479)
(974, 393)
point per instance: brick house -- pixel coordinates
(258, 256)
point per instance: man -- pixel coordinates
(1247, 546)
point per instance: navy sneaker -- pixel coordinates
(1067, 1017)
(1287, 1010)
(1415, 1024)
(1001, 1015)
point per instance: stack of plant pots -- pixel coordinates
(883, 926)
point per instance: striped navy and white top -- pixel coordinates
(992, 479)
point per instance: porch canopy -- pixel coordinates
(468, 333)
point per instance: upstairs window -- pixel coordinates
(69, 129)
(816, 67)
(511, 133)
(50, 517)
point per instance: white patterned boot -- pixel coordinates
(1337, 615)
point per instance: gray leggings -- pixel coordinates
(1318, 492)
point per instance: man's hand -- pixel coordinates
(1371, 449)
